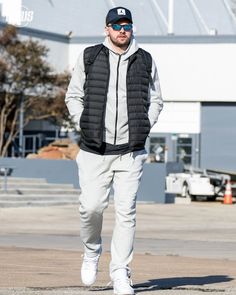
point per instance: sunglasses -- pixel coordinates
(117, 27)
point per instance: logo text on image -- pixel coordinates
(26, 16)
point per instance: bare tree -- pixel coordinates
(26, 75)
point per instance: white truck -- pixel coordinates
(193, 183)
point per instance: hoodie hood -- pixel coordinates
(132, 48)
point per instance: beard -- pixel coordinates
(121, 41)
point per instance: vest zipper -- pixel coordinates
(131, 60)
(105, 102)
(117, 86)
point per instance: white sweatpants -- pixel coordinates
(97, 173)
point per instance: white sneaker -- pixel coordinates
(121, 282)
(89, 269)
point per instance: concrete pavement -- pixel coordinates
(180, 249)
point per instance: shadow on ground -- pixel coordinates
(172, 283)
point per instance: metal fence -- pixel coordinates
(31, 143)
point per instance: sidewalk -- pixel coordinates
(58, 272)
(54, 269)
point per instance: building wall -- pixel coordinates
(218, 136)
(58, 55)
(74, 51)
(152, 187)
(190, 71)
(178, 129)
(196, 72)
(179, 117)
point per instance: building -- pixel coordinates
(194, 46)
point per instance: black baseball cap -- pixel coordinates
(118, 13)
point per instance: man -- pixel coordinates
(114, 99)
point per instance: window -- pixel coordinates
(184, 150)
(157, 148)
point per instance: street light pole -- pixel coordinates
(171, 17)
(21, 125)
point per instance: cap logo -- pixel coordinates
(121, 11)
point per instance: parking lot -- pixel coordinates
(179, 249)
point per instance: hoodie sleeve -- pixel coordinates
(155, 97)
(75, 92)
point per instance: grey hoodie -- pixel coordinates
(118, 70)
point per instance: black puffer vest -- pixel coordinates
(96, 59)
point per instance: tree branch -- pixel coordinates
(10, 136)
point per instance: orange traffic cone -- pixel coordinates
(228, 193)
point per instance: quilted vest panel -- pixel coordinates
(96, 88)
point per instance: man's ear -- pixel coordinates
(106, 31)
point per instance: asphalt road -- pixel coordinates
(179, 249)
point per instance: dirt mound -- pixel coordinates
(59, 149)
